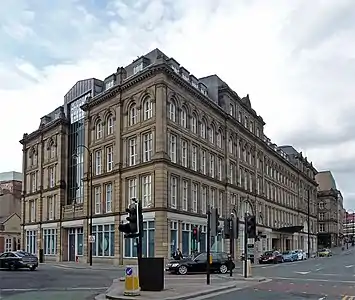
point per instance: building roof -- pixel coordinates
(325, 181)
(9, 176)
(5, 218)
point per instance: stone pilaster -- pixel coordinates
(161, 234)
(161, 121)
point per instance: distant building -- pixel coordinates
(10, 210)
(330, 211)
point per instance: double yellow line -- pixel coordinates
(348, 298)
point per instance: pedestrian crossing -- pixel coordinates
(346, 297)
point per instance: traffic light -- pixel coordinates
(195, 234)
(214, 222)
(235, 228)
(131, 228)
(251, 227)
(227, 228)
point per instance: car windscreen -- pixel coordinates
(286, 252)
(268, 253)
(22, 254)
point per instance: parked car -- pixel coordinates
(18, 260)
(302, 255)
(271, 257)
(197, 264)
(325, 252)
(290, 256)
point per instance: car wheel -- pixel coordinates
(223, 269)
(182, 270)
(33, 268)
(12, 267)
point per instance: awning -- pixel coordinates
(289, 229)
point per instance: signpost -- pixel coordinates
(131, 281)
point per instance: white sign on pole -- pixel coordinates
(91, 239)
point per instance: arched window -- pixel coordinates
(147, 109)
(219, 139)
(98, 129)
(132, 115)
(172, 110)
(203, 129)
(110, 125)
(183, 118)
(211, 134)
(194, 124)
(230, 145)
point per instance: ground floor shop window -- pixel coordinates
(186, 239)
(104, 244)
(80, 241)
(8, 244)
(174, 237)
(50, 241)
(31, 241)
(148, 249)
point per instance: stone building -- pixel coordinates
(179, 144)
(330, 211)
(10, 210)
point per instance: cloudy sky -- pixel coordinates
(295, 58)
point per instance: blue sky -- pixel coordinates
(295, 58)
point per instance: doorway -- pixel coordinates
(71, 245)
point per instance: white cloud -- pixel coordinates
(293, 61)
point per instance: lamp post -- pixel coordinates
(90, 175)
(308, 224)
(352, 230)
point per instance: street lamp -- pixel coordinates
(308, 224)
(352, 226)
(90, 175)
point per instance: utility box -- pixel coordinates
(41, 256)
(151, 274)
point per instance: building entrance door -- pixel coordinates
(71, 245)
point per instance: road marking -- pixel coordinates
(349, 266)
(56, 289)
(303, 273)
(313, 280)
(318, 269)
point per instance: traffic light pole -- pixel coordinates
(208, 269)
(245, 245)
(140, 235)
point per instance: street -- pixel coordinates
(326, 278)
(54, 282)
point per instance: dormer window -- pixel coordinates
(185, 77)
(240, 117)
(204, 92)
(109, 84)
(138, 68)
(176, 70)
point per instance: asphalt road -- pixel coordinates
(320, 278)
(53, 282)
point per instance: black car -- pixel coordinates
(197, 264)
(271, 257)
(18, 260)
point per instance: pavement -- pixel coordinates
(328, 278)
(183, 287)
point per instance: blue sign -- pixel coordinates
(129, 271)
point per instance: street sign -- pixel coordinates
(91, 239)
(131, 281)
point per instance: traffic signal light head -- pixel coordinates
(195, 234)
(251, 227)
(131, 228)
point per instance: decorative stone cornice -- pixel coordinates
(35, 134)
